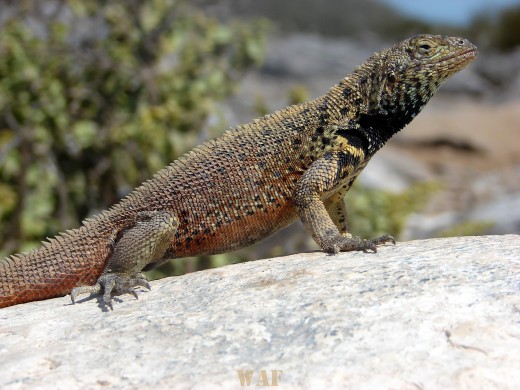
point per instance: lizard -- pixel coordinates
(255, 179)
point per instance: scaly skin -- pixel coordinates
(257, 178)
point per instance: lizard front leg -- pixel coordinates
(144, 243)
(335, 205)
(325, 175)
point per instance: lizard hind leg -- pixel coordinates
(145, 242)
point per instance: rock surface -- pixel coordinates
(433, 314)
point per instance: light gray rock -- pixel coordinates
(500, 69)
(433, 314)
(467, 83)
(305, 56)
(390, 170)
(503, 213)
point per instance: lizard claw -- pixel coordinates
(111, 283)
(374, 242)
(383, 240)
(76, 291)
(347, 244)
(369, 246)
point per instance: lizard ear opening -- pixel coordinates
(391, 79)
(376, 93)
(381, 85)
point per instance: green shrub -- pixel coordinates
(377, 212)
(97, 96)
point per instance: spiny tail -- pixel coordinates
(71, 259)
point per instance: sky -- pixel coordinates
(457, 12)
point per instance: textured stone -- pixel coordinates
(433, 314)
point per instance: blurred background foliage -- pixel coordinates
(96, 96)
(88, 113)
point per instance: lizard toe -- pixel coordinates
(93, 290)
(354, 243)
(110, 284)
(383, 240)
(116, 283)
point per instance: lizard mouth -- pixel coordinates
(459, 59)
(469, 53)
(466, 54)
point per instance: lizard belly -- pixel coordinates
(240, 232)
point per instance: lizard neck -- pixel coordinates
(368, 115)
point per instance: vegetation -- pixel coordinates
(376, 212)
(467, 228)
(96, 96)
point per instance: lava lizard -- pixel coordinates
(243, 186)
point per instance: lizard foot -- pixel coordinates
(113, 283)
(354, 243)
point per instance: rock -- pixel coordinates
(500, 70)
(502, 214)
(434, 314)
(306, 56)
(468, 82)
(390, 170)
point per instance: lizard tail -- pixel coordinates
(74, 258)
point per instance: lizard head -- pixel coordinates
(412, 70)
(395, 84)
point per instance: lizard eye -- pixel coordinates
(424, 49)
